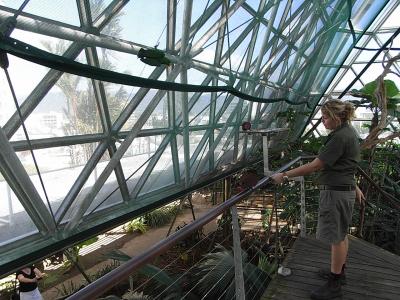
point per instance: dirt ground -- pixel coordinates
(134, 244)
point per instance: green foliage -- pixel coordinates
(49, 280)
(68, 288)
(382, 216)
(110, 297)
(165, 283)
(190, 240)
(216, 276)
(131, 295)
(265, 216)
(367, 91)
(118, 255)
(266, 266)
(312, 144)
(7, 288)
(73, 252)
(135, 225)
(104, 270)
(161, 216)
(290, 114)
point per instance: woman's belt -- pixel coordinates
(337, 187)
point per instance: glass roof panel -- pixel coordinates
(57, 10)
(97, 6)
(162, 174)
(133, 28)
(295, 54)
(15, 222)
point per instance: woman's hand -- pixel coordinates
(277, 178)
(39, 274)
(359, 195)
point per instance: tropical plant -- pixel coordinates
(7, 288)
(135, 225)
(104, 270)
(161, 216)
(382, 96)
(216, 276)
(81, 111)
(191, 239)
(266, 266)
(265, 216)
(73, 252)
(130, 295)
(68, 288)
(165, 284)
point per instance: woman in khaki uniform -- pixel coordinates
(337, 162)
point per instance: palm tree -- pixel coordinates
(81, 112)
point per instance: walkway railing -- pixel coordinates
(123, 272)
(281, 217)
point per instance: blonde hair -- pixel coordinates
(342, 111)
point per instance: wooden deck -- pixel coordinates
(372, 273)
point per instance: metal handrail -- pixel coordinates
(112, 278)
(109, 280)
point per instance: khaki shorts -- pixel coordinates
(334, 215)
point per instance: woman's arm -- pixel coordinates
(306, 169)
(22, 278)
(39, 275)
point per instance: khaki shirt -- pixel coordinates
(340, 155)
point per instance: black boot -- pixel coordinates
(330, 290)
(326, 272)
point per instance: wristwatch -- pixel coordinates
(285, 177)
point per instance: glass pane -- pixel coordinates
(200, 112)
(15, 223)
(58, 10)
(69, 109)
(59, 168)
(108, 195)
(148, 31)
(162, 174)
(97, 7)
(137, 157)
(223, 153)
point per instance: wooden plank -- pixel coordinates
(372, 273)
(366, 249)
(352, 265)
(355, 260)
(350, 273)
(365, 290)
(352, 279)
(304, 289)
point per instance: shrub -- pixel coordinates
(135, 225)
(161, 216)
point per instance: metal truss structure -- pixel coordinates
(79, 155)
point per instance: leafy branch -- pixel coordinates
(383, 96)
